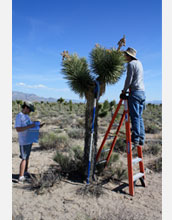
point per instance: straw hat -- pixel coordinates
(131, 52)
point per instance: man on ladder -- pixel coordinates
(133, 106)
(136, 100)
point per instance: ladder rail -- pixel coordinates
(115, 138)
(129, 149)
(140, 154)
(108, 130)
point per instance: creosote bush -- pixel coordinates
(76, 133)
(51, 140)
(71, 164)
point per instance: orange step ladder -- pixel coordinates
(131, 178)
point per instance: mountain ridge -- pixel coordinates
(35, 98)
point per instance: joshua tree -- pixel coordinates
(107, 66)
(60, 101)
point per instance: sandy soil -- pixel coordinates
(62, 203)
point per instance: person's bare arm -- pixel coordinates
(20, 129)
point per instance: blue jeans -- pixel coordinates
(136, 102)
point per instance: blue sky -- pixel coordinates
(42, 29)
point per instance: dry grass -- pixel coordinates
(94, 190)
(39, 183)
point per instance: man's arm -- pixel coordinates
(128, 78)
(20, 129)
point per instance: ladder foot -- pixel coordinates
(142, 182)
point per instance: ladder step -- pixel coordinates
(137, 176)
(106, 150)
(136, 160)
(102, 161)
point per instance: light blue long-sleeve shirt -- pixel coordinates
(134, 79)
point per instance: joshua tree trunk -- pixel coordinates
(88, 126)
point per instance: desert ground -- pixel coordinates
(64, 199)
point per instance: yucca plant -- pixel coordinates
(106, 66)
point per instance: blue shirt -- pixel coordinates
(30, 135)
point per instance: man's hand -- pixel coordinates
(123, 95)
(42, 125)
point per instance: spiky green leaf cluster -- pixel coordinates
(107, 64)
(77, 73)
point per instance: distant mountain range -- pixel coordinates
(34, 98)
(30, 97)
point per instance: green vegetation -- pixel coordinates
(152, 116)
(52, 140)
(71, 164)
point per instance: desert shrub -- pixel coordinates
(120, 172)
(94, 190)
(153, 148)
(63, 141)
(65, 121)
(120, 145)
(76, 133)
(64, 161)
(52, 113)
(114, 157)
(100, 167)
(116, 172)
(40, 182)
(102, 130)
(48, 140)
(152, 128)
(80, 123)
(152, 117)
(156, 165)
(71, 164)
(78, 152)
(113, 172)
(51, 140)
